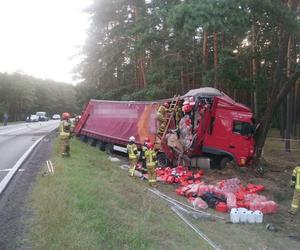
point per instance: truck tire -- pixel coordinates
(224, 161)
(92, 142)
(101, 145)
(83, 138)
(162, 161)
(109, 148)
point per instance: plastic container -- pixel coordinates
(250, 217)
(234, 216)
(243, 215)
(221, 207)
(258, 216)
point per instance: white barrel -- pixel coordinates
(243, 215)
(258, 216)
(250, 217)
(234, 215)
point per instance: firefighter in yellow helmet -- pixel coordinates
(132, 155)
(65, 134)
(295, 183)
(151, 162)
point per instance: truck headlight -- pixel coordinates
(243, 160)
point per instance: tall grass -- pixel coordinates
(90, 203)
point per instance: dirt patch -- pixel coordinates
(13, 201)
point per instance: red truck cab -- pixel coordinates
(223, 129)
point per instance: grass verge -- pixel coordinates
(90, 203)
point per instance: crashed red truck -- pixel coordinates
(222, 130)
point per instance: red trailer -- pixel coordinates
(219, 128)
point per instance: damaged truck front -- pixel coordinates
(219, 128)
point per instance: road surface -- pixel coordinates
(15, 140)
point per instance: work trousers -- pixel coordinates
(295, 202)
(65, 146)
(132, 166)
(151, 175)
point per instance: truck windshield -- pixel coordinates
(243, 128)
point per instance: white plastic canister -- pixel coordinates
(250, 216)
(243, 215)
(258, 216)
(234, 215)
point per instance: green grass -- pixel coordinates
(90, 203)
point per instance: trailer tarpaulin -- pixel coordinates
(120, 120)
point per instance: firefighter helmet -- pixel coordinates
(65, 116)
(131, 139)
(150, 145)
(166, 104)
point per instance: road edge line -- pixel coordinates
(15, 168)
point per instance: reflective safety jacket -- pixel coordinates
(64, 129)
(142, 155)
(132, 151)
(296, 179)
(150, 155)
(161, 112)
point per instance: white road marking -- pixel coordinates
(5, 170)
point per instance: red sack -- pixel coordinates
(230, 200)
(170, 179)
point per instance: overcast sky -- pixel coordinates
(41, 37)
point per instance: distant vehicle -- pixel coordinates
(56, 117)
(42, 116)
(32, 118)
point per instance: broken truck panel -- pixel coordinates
(221, 127)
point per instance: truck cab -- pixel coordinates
(224, 128)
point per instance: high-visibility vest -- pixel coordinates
(64, 129)
(296, 173)
(161, 112)
(132, 151)
(142, 155)
(150, 157)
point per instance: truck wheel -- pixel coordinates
(109, 148)
(92, 142)
(162, 161)
(224, 162)
(101, 145)
(83, 138)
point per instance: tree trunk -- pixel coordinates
(289, 101)
(254, 70)
(205, 52)
(216, 59)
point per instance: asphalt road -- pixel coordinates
(16, 139)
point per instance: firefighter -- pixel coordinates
(142, 155)
(295, 183)
(162, 112)
(132, 155)
(151, 162)
(64, 134)
(161, 130)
